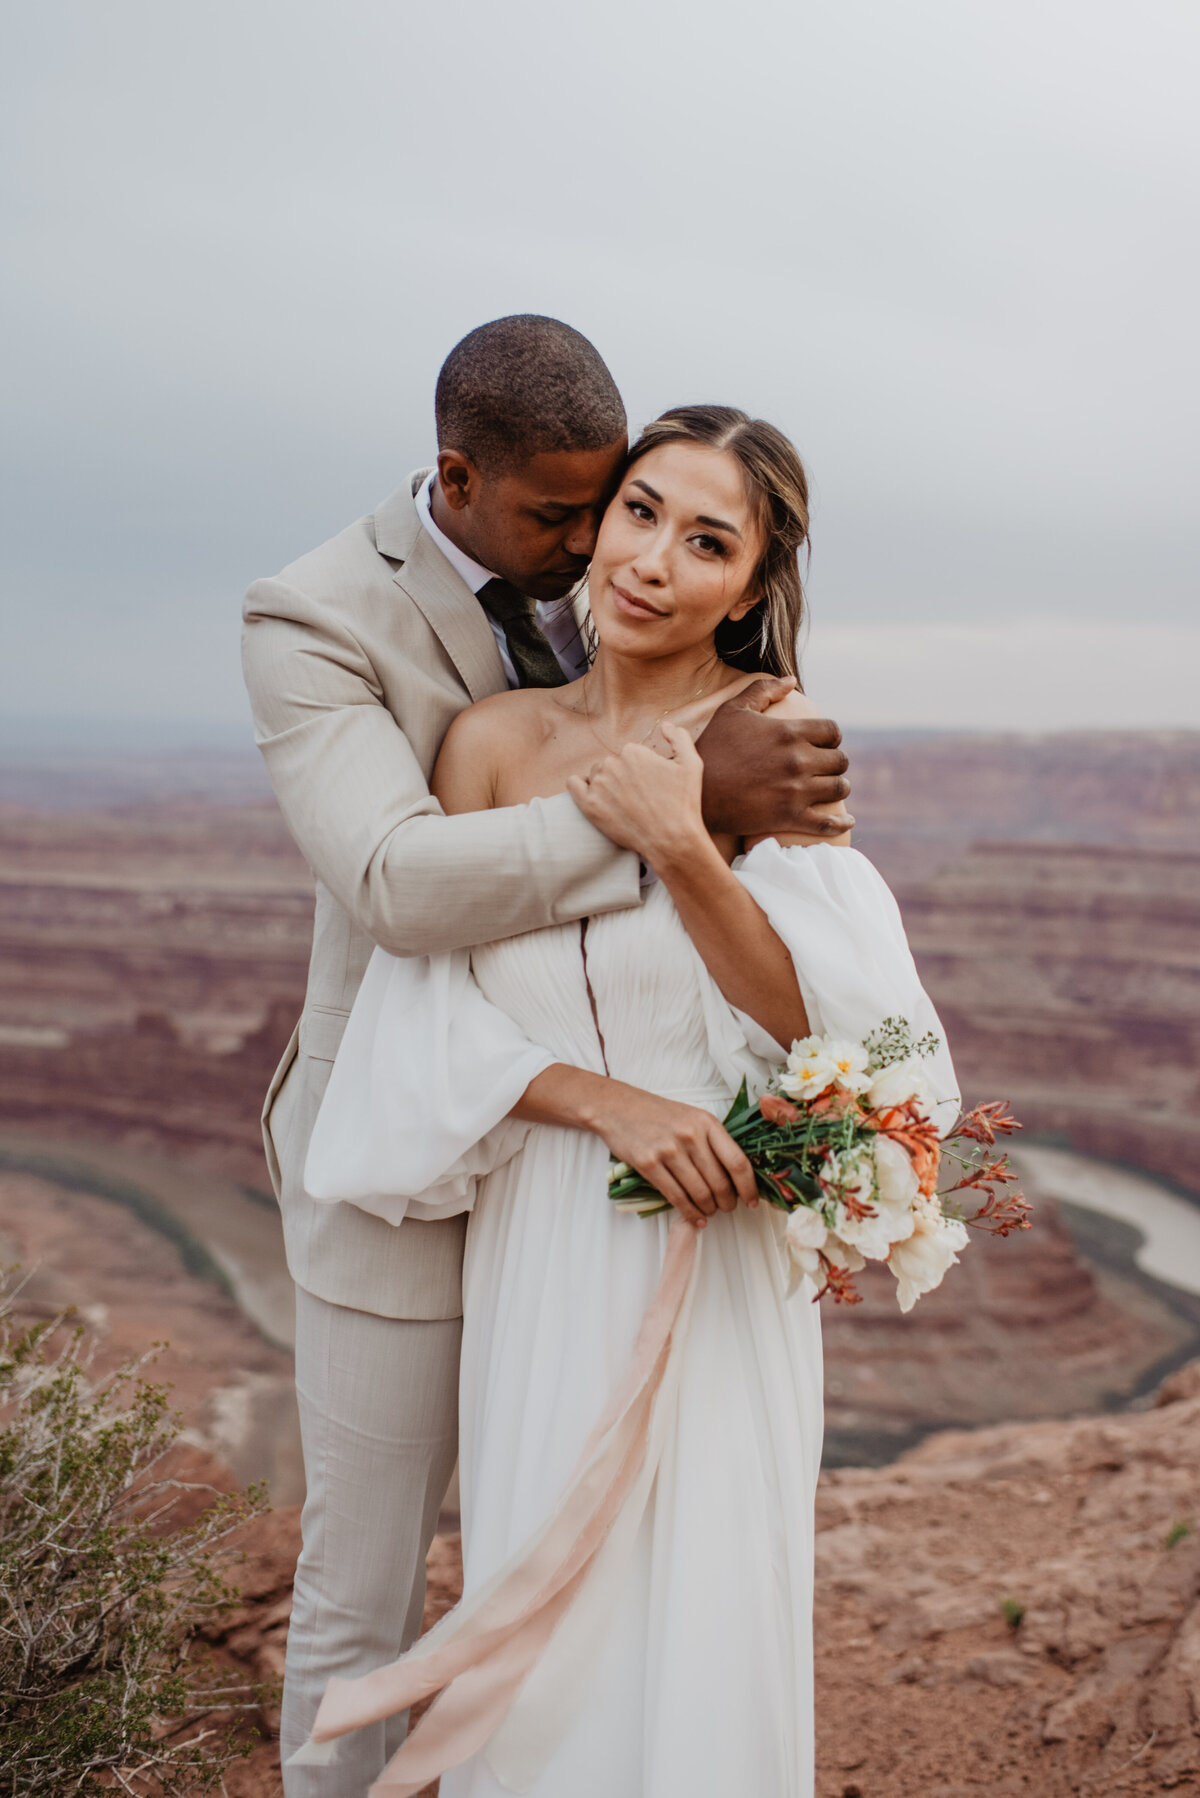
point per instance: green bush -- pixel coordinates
(102, 1584)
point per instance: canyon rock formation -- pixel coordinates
(152, 966)
(920, 799)
(1068, 979)
(153, 957)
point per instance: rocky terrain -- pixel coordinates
(1009, 1612)
(1016, 1611)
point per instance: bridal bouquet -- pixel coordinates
(843, 1140)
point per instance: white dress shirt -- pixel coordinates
(555, 616)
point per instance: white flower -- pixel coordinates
(871, 1237)
(809, 1069)
(804, 1234)
(870, 1233)
(903, 1081)
(920, 1263)
(927, 1206)
(850, 1064)
(843, 1255)
(894, 1172)
(874, 1236)
(806, 1228)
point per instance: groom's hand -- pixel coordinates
(767, 775)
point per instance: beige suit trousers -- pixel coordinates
(378, 1403)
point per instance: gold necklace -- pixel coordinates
(677, 707)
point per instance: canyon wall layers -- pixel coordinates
(152, 959)
(152, 965)
(1068, 981)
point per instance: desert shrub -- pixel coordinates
(105, 1575)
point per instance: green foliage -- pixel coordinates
(894, 1041)
(100, 1592)
(1014, 1612)
(1177, 1533)
(782, 1156)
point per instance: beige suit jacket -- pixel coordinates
(357, 657)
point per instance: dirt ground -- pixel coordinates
(1012, 1612)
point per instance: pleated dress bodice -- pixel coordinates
(647, 985)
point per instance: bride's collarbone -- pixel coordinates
(540, 742)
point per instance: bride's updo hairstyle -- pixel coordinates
(764, 641)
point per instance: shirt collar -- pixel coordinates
(473, 573)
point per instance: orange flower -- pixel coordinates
(839, 1283)
(777, 1110)
(834, 1103)
(982, 1124)
(919, 1139)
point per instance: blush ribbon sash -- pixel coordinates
(482, 1653)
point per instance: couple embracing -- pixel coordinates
(582, 866)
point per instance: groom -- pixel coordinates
(357, 657)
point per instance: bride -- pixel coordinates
(641, 1402)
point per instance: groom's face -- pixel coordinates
(535, 525)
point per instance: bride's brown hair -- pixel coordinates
(764, 641)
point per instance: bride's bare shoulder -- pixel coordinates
(482, 739)
(794, 705)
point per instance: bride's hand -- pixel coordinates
(647, 802)
(683, 1151)
(680, 1149)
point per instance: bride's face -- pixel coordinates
(677, 552)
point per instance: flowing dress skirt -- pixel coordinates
(697, 1675)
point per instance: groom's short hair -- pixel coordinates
(522, 385)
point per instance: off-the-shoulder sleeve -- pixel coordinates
(417, 1104)
(843, 929)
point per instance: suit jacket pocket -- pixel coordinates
(277, 1079)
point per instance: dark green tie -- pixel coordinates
(533, 660)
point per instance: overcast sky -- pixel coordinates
(949, 245)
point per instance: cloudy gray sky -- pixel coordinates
(950, 247)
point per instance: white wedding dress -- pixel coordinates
(704, 1681)
(688, 1650)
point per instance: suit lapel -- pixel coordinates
(452, 610)
(449, 607)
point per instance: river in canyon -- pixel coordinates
(1120, 1219)
(1166, 1223)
